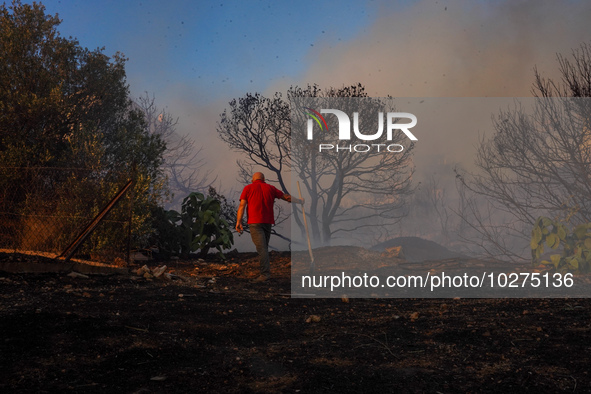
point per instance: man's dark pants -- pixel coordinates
(260, 234)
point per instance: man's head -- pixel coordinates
(258, 176)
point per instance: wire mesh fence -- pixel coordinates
(43, 210)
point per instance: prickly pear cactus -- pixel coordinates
(576, 245)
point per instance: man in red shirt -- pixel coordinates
(258, 198)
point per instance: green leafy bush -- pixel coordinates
(576, 252)
(201, 225)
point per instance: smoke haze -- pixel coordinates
(455, 48)
(428, 49)
(422, 49)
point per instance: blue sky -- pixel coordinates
(204, 51)
(196, 56)
(218, 47)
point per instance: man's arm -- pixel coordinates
(241, 208)
(289, 198)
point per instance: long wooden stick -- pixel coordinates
(307, 233)
(71, 249)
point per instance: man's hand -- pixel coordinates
(293, 200)
(240, 215)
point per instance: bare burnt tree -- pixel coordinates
(183, 164)
(436, 195)
(576, 76)
(537, 162)
(258, 127)
(349, 192)
(371, 185)
(429, 214)
(487, 228)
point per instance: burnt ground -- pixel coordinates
(211, 329)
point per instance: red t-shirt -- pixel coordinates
(260, 197)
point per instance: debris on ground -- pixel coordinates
(158, 273)
(74, 274)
